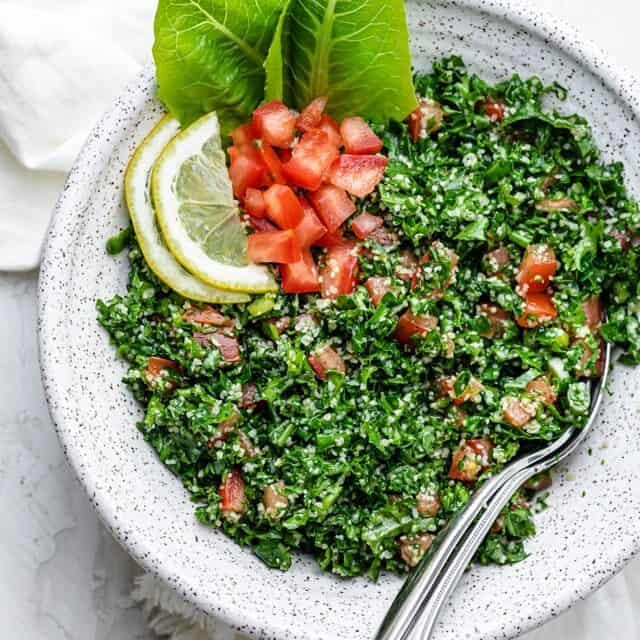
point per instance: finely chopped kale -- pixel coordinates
(350, 454)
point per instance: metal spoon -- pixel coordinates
(426, 589)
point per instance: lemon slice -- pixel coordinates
(143, 217)
(197, 213)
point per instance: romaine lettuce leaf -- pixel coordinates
(210, 56)
(354, 51)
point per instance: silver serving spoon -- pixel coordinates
(427, 588)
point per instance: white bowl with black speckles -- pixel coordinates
(593, 526)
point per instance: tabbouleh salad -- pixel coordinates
(459, 322)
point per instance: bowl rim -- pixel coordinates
(552, 30)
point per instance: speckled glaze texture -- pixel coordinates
(593, 526)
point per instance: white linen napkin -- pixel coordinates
(61, 63)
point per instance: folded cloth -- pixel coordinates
(60, 66)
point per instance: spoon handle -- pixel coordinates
(444, 583)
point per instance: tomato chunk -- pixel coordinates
(326, 359)
(228, 346)
(274, 246)
(331, 128)
(493, 108)
(411, 327)
(275, 124)
(518, 411)
(274, 501)
(310, 160)
(593, 313)
(428, 503)
(469, 393)
(259, 224)
(365, 224)
(537, 268)
(254, 203)
(243, 136)
(206, 315)
(359, 175)
(358, 136)
(377, 287)
(586, 368)
(301, 276)
(283, 206)
(246, 170)
(497, 260)
(538, 309)
(310, 229)
(312, 114)
(471, 459)
(333, 205)
(331, 239)
(541, 389)
(497, 318)
(339, 275)
(155, 367)
(413, 548)
(231, 491)
(273, 163)
(425, 119)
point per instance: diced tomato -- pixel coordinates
(243, 136)
(541, 389)
(284, 155)
(497, 318)
(537, 268)
(494, 109)
(155, 367)
(229, 347)
(254, 203)
(497, 260)
(250, 397)
(359, 175)
(585, 368)
(471, 459)
(232, 493)
(301, 276)
(274, 246)
(273, 163)
(283, 206)
(333, 205)
(538, 309)
(593, 312)
(280, 324)
(259, 224)
(428, 503)
(275, 124)
(377, 287)
(470, 392)
(310, 160)
(410, 327)
(539, 482)
(274, 501)
(358, 136)
(310, 229)
(339, 275)
(329, 240)
(246, 170)
(413, 548)
(365, 224)
(622, 237)
(425, 119)
(224, 431)
(331, 128)
(326, 359)
(206, 315)
(312, 114)
(518, 411)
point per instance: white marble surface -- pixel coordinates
(61, 575)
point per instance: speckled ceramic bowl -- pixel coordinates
(593, 525)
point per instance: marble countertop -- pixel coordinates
(62, 577)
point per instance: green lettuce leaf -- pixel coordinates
(354, 51)
(210, 56)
